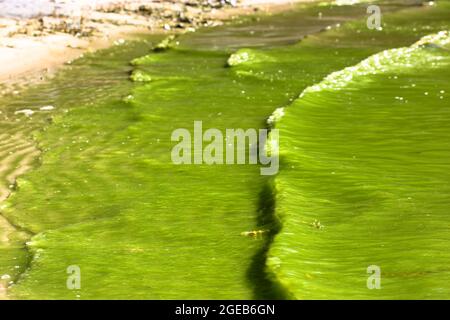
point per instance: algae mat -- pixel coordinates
(364, 189)
(108, 199)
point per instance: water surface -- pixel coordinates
(107, 198)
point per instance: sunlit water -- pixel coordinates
(107, 198)
(366, 180)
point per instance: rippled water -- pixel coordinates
(366, 180)
(107, 198)
(88, 80)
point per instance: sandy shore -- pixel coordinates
(32, 48)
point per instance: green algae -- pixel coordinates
(108, 199)
(247, 56)
(164, 44)
(139, 76)
(366, 152)
(79, 83)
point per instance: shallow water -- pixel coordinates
(107, 198)
(368, 159)
(91, 79)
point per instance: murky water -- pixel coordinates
(107, 198)
(365, 183)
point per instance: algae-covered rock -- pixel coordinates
(243, 56)
(164, 44)
(147, 59)
(140, 76)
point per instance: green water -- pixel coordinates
(368, 158)
(93, 79)
(107, 198)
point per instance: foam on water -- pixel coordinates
(406, 57)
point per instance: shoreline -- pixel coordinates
(32, 49)
(31, 52)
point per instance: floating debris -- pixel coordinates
(47, 108)
(27, 112)
(254, 233)
(316, 224)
